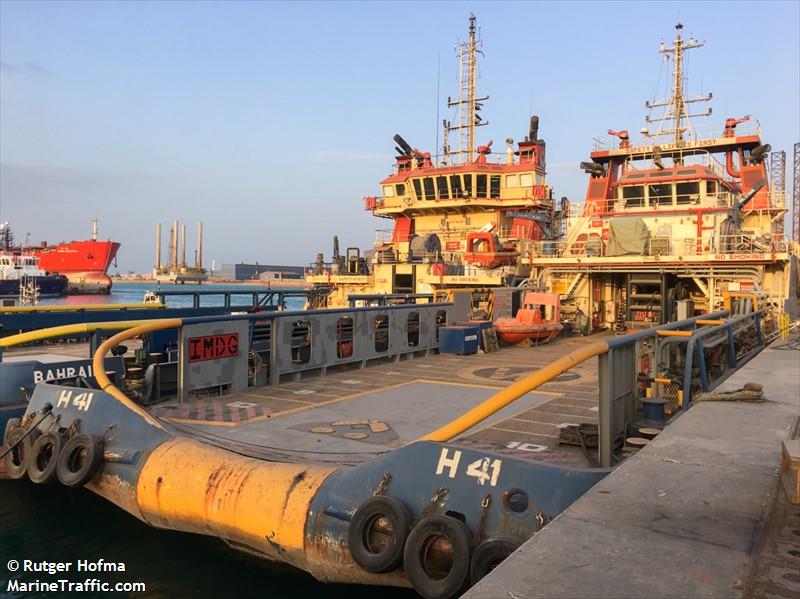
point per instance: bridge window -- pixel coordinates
(441, 187)
(401, 189)
(480, 187)
(494, 186)
(526, 180)
(660, 194)
(633, 196)
(468, 185)
(512, 180)
(430, 193)
(388, 191)
(417, 188)
(711, 188)
(687, 192)
(455, 186)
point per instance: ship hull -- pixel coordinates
(49, 286)
(84, 263)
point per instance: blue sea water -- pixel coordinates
(133, 293)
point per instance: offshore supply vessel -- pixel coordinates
(667, 224)
(459, 219)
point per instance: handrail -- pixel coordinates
(512, 392)
(67, 329)
(82, 308)
(98, 363)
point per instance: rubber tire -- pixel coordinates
(53, 440)
(17, 468)
(489, 554)
(457, 579)
(373, 508)
(93, 449)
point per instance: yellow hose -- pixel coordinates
(98, 363)
(68, 329)
(513, 392)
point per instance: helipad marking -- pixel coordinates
(241, 404)
(304, 392)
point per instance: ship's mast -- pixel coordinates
(676, 113)
(467, 104)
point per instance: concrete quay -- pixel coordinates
(699, 512)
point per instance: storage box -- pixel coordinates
(461, 340)
(481, 324)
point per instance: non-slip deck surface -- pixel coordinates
(353, 414)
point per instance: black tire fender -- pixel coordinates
(79, 459)
(416, 562)
(489, 554)
(44, 457)
(367, 515)
(16, 460)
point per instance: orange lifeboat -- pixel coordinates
(484, 251)
(538, 319)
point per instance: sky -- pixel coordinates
(269, 121)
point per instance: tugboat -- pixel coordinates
(20, 272)
(459, 218)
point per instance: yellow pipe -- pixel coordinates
(662, 381)
(67, 329)
(674, 333)
(709, 322)
(514, 392)
(98, 363)
(81, 308)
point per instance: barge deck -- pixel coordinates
(354, 414)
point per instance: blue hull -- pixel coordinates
(49, 286)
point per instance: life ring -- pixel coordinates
(79, 459)
(17, 449)
(372, 548)
(421, 566)
(489, 554)
(44, 457)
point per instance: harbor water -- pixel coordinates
(54, 523)
(133, 293)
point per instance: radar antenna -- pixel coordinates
(468, 105)
(675, 119)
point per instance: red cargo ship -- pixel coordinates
(84, 263)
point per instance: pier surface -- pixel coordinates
(699, 512)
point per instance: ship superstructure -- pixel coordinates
(458, 218)
(679, 216)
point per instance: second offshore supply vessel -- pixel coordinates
(667, 225)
